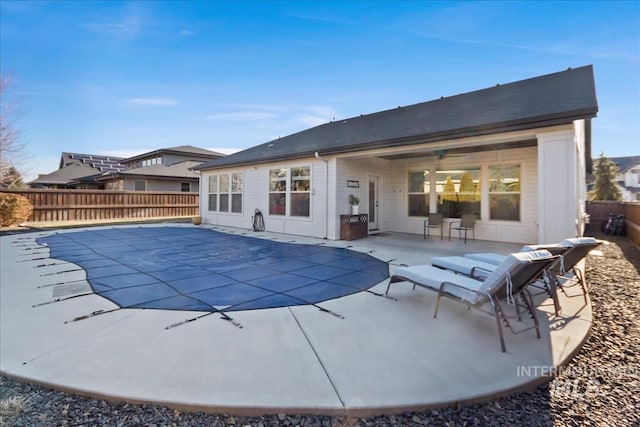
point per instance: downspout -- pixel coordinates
(326, 194)
(200, 187)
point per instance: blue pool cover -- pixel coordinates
(198, 269)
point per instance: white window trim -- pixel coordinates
(489, 193)
(229, 194)
(288, 191)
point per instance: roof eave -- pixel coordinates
(545, 121)
(213, 155)
(157, 177)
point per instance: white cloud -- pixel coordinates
(242, 116)
(263, 107)
(316, 115)
(154, 102)
(105, 27)
(185, 33)
(310, 120)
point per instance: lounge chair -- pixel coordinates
(508, 280)
(572, 251)
(478, 266)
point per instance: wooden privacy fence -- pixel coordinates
(600, 210)
(80, 205)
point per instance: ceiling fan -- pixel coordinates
(442, 154)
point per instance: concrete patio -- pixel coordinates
(385, 355)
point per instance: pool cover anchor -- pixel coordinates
(378, 294)
(326, 310)
(35, 253)
(92, 314)
(46, 285)
(60, 299)
(193, 319)
(62, 272)
(47, 265)
(33, 259)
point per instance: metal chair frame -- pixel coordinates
(466, 223)
(433, 221)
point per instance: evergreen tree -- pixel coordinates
(605, 187)
(467, 188)
(449, 190)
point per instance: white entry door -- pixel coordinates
(373, 203)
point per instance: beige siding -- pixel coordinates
(560, 186)
(361, 170)
(256, 196)
(330, 191)
(159, 185)
(523, 231)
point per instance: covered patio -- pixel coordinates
(384, 355)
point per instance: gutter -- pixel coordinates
(326, 194)
(482, 130)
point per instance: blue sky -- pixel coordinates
(122, 78)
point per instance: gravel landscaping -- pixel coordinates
(599, 387)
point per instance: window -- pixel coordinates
(458, 192)
(300, 191)
(292, 188)
(213, 193)
(418, 191)
(225, 192)
(504, 193)
(278, 192)
(152, 161)
(236, 192)
(185, 187)
(139, 185)
(116, 185)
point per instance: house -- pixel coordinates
(628, 177)
(166, 169)
(74, 168)
(515, 155)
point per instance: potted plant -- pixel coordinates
(354, 201)
(197, 220)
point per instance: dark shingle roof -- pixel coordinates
(625, 163)
(66, 174)
(551, 99)
(182, 149)
(176, 170)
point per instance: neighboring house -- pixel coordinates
(515, 155)
(166, 169)
(628, 178)
(74, 168)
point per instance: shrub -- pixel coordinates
(14, 209)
